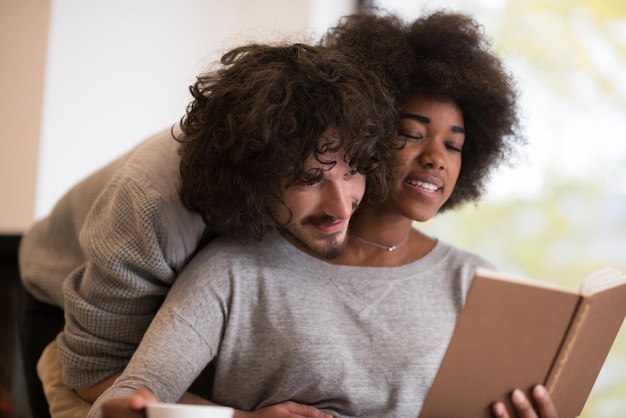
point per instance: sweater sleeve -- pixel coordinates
(50, 250)
(111, 298)
(171, 356)
(181, 340)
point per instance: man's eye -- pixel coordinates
(353, 171)
(306, 183)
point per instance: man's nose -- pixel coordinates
(337, 199)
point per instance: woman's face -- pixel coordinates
(430, 162)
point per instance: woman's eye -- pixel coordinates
(411, 137)
(353, 171)
(454, 147)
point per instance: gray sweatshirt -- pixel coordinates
(280, 325)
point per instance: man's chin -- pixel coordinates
(327, 248)
(331, 248)
(330, 253)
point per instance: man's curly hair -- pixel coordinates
(443, 55)
(254, 122)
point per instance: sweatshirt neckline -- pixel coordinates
(301, 260)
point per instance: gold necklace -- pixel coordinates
(389, 248)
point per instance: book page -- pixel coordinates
(601, 280)
(498, 275)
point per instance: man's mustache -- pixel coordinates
(326, 219)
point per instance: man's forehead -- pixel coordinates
(330, 139)
(327, 143)
(323, 160)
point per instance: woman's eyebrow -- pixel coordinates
(414, 116)
(423, 119)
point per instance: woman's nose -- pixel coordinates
(431, 155)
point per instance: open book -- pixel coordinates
(516, 333)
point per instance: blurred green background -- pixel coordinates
(560, 213)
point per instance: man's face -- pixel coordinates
(315, 217)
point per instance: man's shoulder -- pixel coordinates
(235, 248)
(229, 251)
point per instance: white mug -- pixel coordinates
(171, 410)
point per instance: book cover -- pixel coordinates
(512, 333)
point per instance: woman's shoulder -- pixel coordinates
(455, 255)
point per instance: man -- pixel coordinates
(119, 239)
(247, 305)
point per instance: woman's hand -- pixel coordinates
(544, 408)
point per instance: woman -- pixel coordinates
(458, 121)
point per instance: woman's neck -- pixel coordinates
(378, 238)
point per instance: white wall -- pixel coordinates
(23, 32)
(118, 71)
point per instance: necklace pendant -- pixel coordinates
(389, 248)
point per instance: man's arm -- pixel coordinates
(134, 406)
(91, 393)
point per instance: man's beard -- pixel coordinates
(334, 244)
(333, 248)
